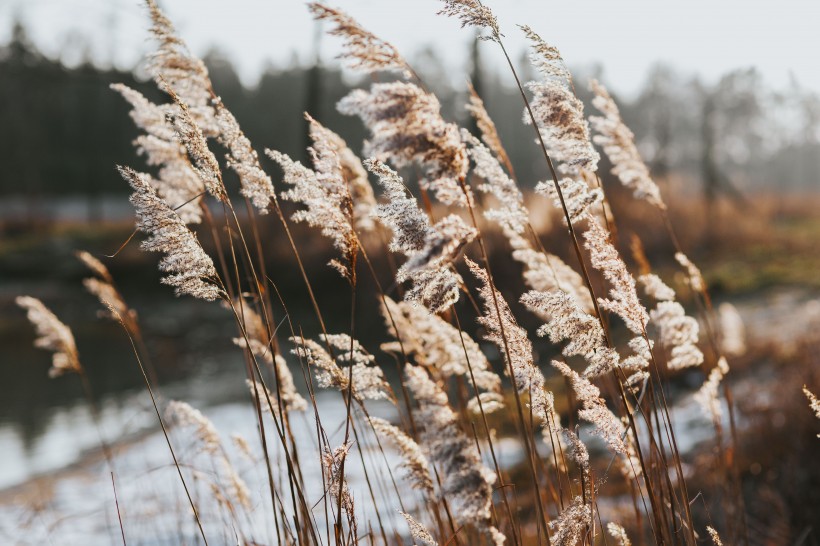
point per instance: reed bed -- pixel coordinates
(598, 456)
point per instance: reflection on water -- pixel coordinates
(81, 508)
(189, 343)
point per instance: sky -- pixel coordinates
(624, 37)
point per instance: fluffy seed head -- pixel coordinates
(512, 341)
(406, 126)
(472, 13)
(546, 58)
(486, 126)
(416, 465)
(560, 118)
(52, 335)
(466, 482)
(618, 143)
(418, 531)
(255, 184)
(362, 49)
(623, 300)
(578, 197)
(191, 270)
(368, 379)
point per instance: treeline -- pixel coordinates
(63, 130)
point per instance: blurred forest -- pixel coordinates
(64, 130)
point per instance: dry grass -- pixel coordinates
(470, 374)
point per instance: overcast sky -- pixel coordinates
(625, 37)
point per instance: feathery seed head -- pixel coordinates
(472, 13)
(618, 143)
(607, 425)
(352, 172)
(656, 288)
(185, 415)
(560, 119)
(418, 531)
(512, 215)
(405, 124)
(255, 184)
(431, 250)
(401, 213)
(708, 396)
(191, 270)
(416, 465)
(679, 333)
(189, 133)
(466, 482)
(696, 280)
(624, 300)
(500, 324)
(618, 533)
(578, 197)
(52, 335)
(174, 64)
(546, 58)
(545, 272)
(362, 49)
(571, 524)
(714, 536)
(368, 379)
(486, 126)
(335, 482)
(178, 185)
(326, 195)
(436, 344)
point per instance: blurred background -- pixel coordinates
(725, 110)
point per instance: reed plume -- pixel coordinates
(567, 321)
(695, 278)
(623, 299)
(512, 214)
(190, 134)
(557, 111)
(53, 336)
(191, 270)
(486, 126)
(406, 126)
(335, 483)
(254, 182)
(708, 396)
(517, 348)
(571, 523)
(472, 13)
(325, 194)
(607, 425)
(368, 379)
(418, 531)
(677, 331)
(362, 49)
(415, 463)
(173, 63)
(430, 249)
(618, 533)
(466, 482)
(714, 536)
(618, 144)
(102, 287)
(257, 340)
(178, 184)
(437, 345)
